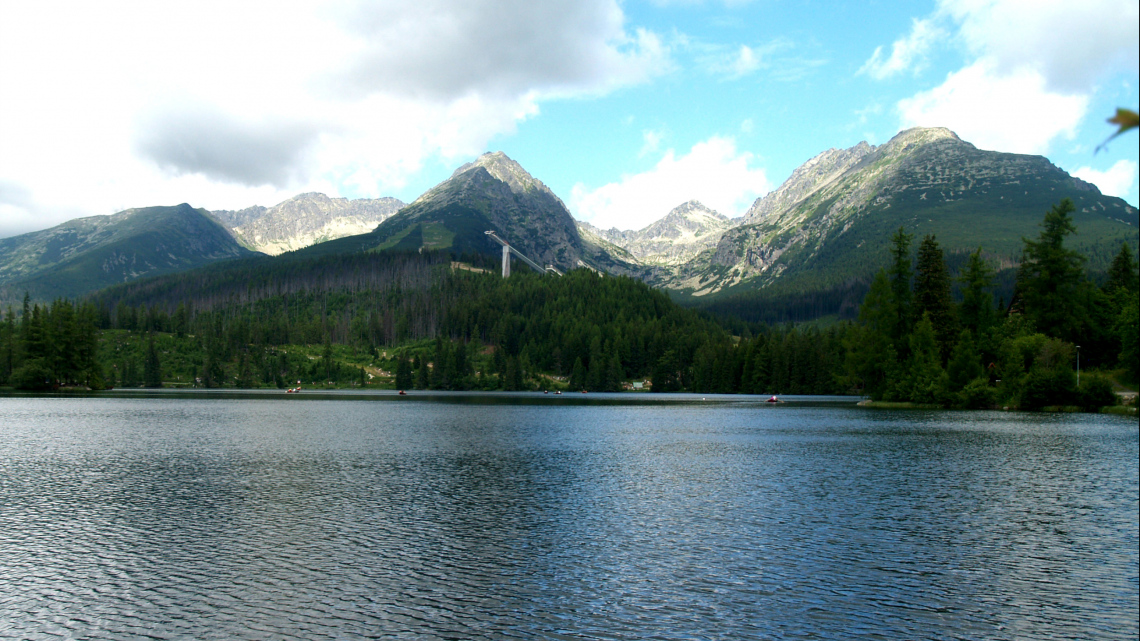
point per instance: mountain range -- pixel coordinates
(305, 220)
(820, 236)
(86, 254)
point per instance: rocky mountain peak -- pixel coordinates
(691, 217)
(500, 166)
(684, 232)
(305, 219)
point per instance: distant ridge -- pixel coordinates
(305, 219)
(86, 254)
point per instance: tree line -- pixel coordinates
(437, 321)
(913, 342)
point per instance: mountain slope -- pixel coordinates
(829, 224)
(305, 220)
(87, 254)
(684, 232)
(494, 193)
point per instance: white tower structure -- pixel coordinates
(506, 260)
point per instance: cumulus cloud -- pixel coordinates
(1073, 45)
(1117, 180)
(907, 54)
(1012, 113)
(1032, 70)
(272, 100)
(446, 49)
(223, 148)
(713, 172)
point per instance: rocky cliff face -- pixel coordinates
(495, 193)
(836, 212)
(305, 220)
(684, 232)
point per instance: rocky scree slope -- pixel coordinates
(831, 221)
(306, 219)
(684, 232)
(493, 193)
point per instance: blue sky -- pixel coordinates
(625, 109)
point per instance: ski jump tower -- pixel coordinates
(508, 250)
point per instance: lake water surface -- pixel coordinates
(458, 517)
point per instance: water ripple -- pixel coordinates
(162, 518)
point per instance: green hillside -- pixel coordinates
(84, 255)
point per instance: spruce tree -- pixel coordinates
(578, 375)
(977, 312)
(1050, 277)
(403, 373)
(152, 369)
(932, 294)
(900, 276)
(1122, 273)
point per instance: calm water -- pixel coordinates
(310, 518)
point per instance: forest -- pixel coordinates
(432, 320)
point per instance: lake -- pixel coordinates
(340, 516)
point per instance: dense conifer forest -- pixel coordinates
(413, 320)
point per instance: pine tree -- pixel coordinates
(423, 378)
(614, 374)
(1050, 277)
(152, 369)
(578, 375)
(403, 373)
(1122, 273)
(900, 275)
(924, 367)
(964, 365)
(870, 348)
(977, 312)
(932, 294)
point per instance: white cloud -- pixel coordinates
(117, 104)
(1073, 45)
(1117, 180)
(732, 63)
(1033, 66)
(1014, 113)
(907, 54)
(713, 172)
(651, 142)
(747, 61)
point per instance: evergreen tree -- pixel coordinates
(871, 355)
(152, 368)
(932, 294)
(666, 374)
(1122, 274)
(1128, 328)
(614, 374)
(900, 275)
(977, 310)
(404, 374)
(1050, 277)
(964, 365)
(423, 378)
(244, 373)
(578, 375)
(924, 366)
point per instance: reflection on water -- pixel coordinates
(272, 518)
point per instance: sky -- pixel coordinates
(624, 109)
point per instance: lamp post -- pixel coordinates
(1078, 365)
